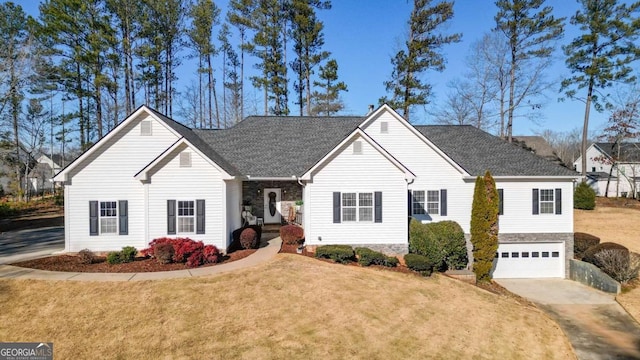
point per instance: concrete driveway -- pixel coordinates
(596, 325)
(30, 243)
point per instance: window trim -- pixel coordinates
(114, 217)
(357, 207)
(179, 226)
(552, 201)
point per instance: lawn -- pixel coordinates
(291, 307)
(617, 225)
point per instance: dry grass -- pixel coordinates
(611, 225)
(292, 307)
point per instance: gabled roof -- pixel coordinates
(279, 147)
(629, 152)
(477, 151)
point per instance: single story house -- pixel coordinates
(359, 179)
(613, 171)
(41, 176)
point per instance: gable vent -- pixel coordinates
(384, 127)
(357, 147)
(145, 128)
(185, 159)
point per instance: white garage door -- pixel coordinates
(529, 260)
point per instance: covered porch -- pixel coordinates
(272, 202)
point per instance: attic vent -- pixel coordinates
(384, 127)
(145, 128)
(357, 147)
(185, 159)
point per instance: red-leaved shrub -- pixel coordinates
(291, 234)
(193, 253)
(248, 238)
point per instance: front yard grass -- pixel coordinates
(291, 307)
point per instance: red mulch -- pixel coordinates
(71, 263)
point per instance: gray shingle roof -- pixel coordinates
(477, 151)
(629, 152)
(270, 146)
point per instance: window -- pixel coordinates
(593, 169)
(546, 201)
(384, 127)
(505, 254)
(348, 206)
(514, 254)
(555, 254)
(535, 254)
(365, 207)
(357, 147)
(145, 128)
(433, 202)
(185, 159)
(418, 203)
(525, 254)
(545, 254)
(108, 217)
(186, 216)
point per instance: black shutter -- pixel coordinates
(199, 216)
(171, 217)
(534, 203)
(501, 202)
(443, 202)
(410, 201)
(93, 218)
(378, 206)
(336, 207)
(123, 217)
(558, 201)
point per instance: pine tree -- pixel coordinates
(422, 52)
(231, 80)
(239, 15)
(124, 13)
(530, 32)
(328, 101)
(601, 55)
(484, 226)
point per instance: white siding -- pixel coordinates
(234, 203)
(348, 172)
(108, 174)
(200, 181)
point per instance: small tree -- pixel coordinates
(584, 197)
(484, 226)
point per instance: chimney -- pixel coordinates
(371, 107)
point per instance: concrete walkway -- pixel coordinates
(596, 325)
(269, 249)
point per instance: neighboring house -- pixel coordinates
(620, 171)
(359, 178)
(41, 176)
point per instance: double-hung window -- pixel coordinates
(418, 202)
(108, 217)
(365, 206)
(349, 207)
(357, 207)
(186, 216)
(433, 202)
(547, 201)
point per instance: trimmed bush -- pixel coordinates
(163, 252)
(114, 257)
(367, 257)
(235, 236)
(87, 256)
(590, 255)
(484, 226)
(584, 197)
(128, 254)
(248, 238)
(338, 253)
(291, 234)
(442, 242)
(582, 242)
(185, 250)
(419, 263)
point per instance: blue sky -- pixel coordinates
(363, 35)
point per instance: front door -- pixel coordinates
(272, 206)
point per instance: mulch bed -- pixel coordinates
(71, 263)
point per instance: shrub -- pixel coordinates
(184, 250)
(291, 234)
(584, 197)
(442, 242)
(163, 252)
(621, 266)
(582, 242)
(128, 254)
(419, 263)
(338, 253)
(367, 257)
(87, 256)
(114, 257)
(248, 238)
(590, 255)
(235, 236)
(484, 226)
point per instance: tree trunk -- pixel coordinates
(83, 141)
(212, 94)
(585, 129)
(200, 113)
(241, 74)
(512, 87)
(15, 111)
